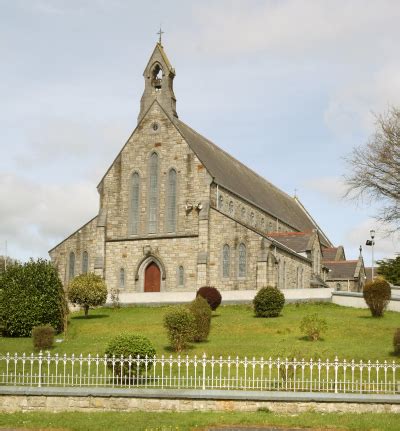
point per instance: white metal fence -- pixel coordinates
(204, 373)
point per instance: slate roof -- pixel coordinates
(297, 241)
(329, 253)
(239, 179)
(342, 270)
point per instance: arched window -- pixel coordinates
(220, 202)
(243, 212)
(122, 278)
(231, 209)
(171, 201)
(252, 219)
(153, 193)
(181, 276)
(134, 204)
(71, 266)
(242, 261)
(262, 223)
(85, 262)
(226, 261)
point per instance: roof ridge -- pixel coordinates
(290, 233)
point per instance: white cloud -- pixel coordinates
(385, 245)
(353, 106)
(34, 217)
(299, 27)
(332, 188)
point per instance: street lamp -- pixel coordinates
(371, 243)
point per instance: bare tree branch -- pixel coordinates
(375, 169)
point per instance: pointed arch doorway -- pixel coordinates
(152, 278)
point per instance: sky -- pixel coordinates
(288, 87)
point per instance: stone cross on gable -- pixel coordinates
(160, 33)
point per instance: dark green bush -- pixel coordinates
(31, 294)
(396, 342)
(202, 318)
(211, 295)
(43, 337)
(180, 324)
(87, 290)
(377, 295)
(129, 344)
(268, 302)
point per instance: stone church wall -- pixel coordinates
(84, 239)
(171, 252)
(192, 178)
(247, 214)
(225, 230)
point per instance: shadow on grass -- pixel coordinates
(170, 349)
(306, 338)
(90, 317)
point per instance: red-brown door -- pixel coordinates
(152, 278)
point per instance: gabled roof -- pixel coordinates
(333, 253)
(329, 253)
(242, 181)
(343, 270)
(297, 241)
(160, 49)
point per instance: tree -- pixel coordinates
(375, 168)
(389, 269)
(31, 294)
(87, 290)
(6, 263)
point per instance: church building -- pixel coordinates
(176, 212)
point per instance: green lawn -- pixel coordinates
(351, 334)
(140, 421)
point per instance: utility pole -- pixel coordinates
(5, 258)
(371, 242)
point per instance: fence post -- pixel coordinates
(336, 374)
(204, 371)
(40, 369)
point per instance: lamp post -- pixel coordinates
(371, 242)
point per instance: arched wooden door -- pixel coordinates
(152, 278)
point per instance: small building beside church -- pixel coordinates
(176, 212)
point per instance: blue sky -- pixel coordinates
(287, 87)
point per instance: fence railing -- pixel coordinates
(204, 373)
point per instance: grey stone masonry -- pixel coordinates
(100, 399)
(183, 224)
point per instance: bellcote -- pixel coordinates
(158, 83)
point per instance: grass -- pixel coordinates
(140, 421)
(351, 334)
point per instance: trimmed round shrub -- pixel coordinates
(211, 295)
(31, 294)
(377, 295)
(202, 318)
(129, 345)
(43, 337)
(312, 326)
(268, 302)
(396, 342)
(180, 324)
(87, 290)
